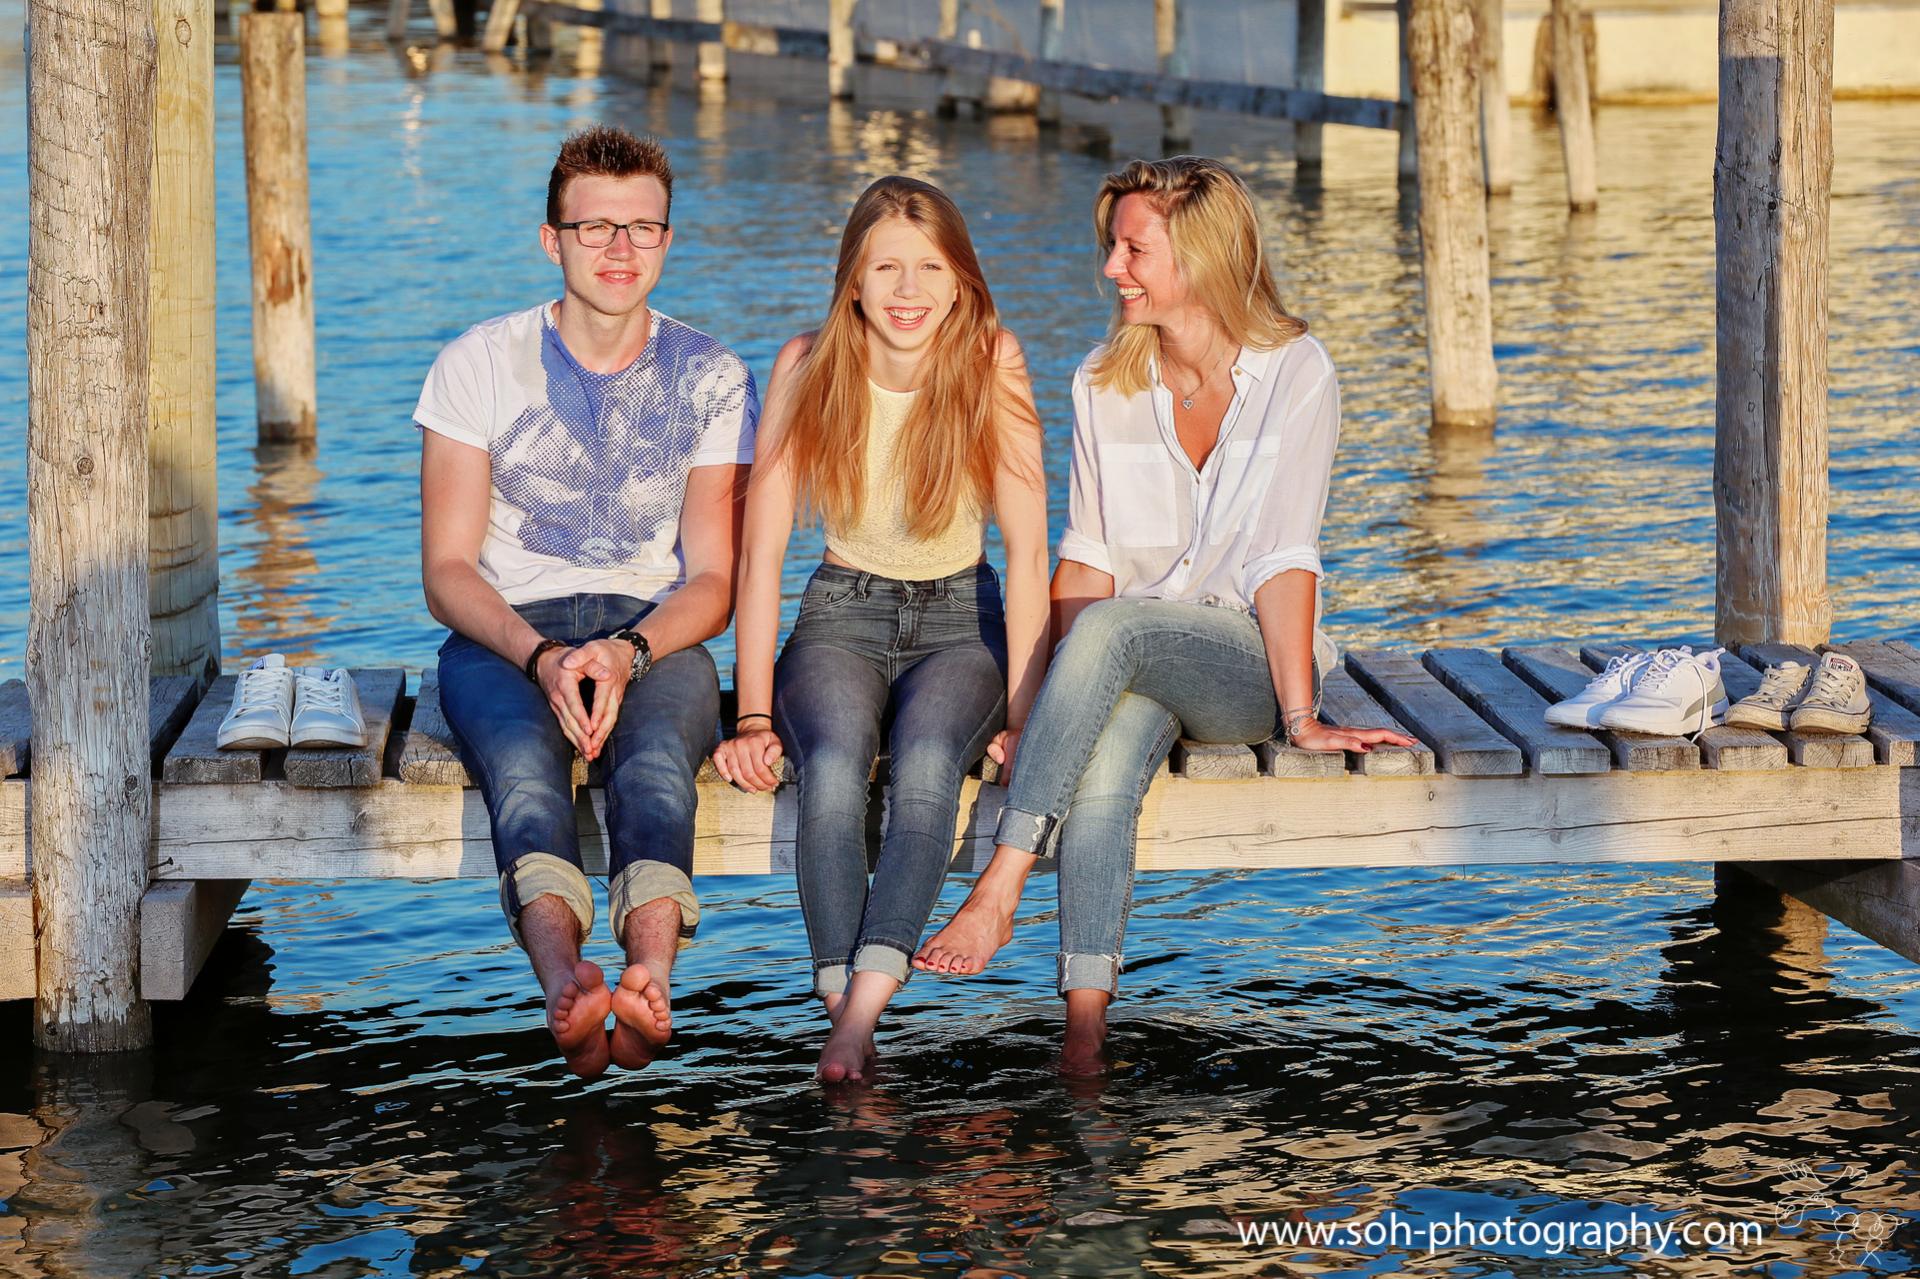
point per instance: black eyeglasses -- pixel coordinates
(597, 233)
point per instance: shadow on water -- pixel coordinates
(288, 1139)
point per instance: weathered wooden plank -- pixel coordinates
(180, 921)
(1511, 705)
(1462, 742)
(1809, 750)
(1894, 730)
(1346, 704)
(169, 705)
(1880, 900)
(1213, 761)
(1892, 667)
(16, 728)
(1721, 747)
(16, 940)
(379, 690)
(396, 830)
(431, 756)
(745, 37)
(1559, 674)
(14, 859)
(195, 759)
(1284, 760)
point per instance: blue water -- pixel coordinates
(359, 1084)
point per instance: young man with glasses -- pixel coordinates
(582, 469)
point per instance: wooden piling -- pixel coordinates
(840, 48)
(1309, 73)
(329, 9)
(446, 23)
(660, 52)
(1496, 112)
(1453, 212)
(398, 12)
(1046, 110)
(499, 28)
(1572, 105)
(1170, 49)
(273, 91)
(712, 53)
(1773, 164)
(1409, 157)
(183, 506)
(90, 117)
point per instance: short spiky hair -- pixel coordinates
(604, 151)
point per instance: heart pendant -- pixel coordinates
(1187, 405)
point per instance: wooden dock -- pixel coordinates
(1491, 783)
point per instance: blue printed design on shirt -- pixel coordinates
(597, 465)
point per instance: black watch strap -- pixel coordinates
(642, 652)
(532, 668)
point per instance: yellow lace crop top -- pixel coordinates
(880, 542)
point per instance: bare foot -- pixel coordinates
(847, 1059)
(1083, 1050)
(642, 1018)
(577, 1016)
(1081, 1059)
(979, 928)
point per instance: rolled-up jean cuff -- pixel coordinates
(543, 875)
(881, 957)
(829, 979)
(1090, 972)
(1033, 833)
(648, 881)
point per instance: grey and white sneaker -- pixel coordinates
(326, 709)
(262, 707)
(1614, 682)
(1837, 702)
(1772, 704)
(1683, 696)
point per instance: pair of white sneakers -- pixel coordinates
(1828, 698)
(1671, 691)
(279, 705)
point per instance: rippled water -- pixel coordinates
(359, 1084)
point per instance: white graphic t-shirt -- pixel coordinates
(589, 469)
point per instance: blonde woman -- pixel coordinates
(1203, 439)
(902, 422)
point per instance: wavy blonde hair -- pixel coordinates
(949, 447)
(1214, 233)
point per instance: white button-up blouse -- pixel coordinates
(1139, 511)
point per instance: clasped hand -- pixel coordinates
(751, 760)
(607, 663)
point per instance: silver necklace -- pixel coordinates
(1186, 401)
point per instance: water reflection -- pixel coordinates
(272, 593)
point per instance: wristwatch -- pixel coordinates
(642, 654)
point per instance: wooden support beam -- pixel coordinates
(1773, 165)
(180, 921)
(1453, 214)
(1171, 58)
(183, 508)
(1880, 900)
(1572, 105)
(273, 91)
(840, 48)
(90, 118)
(1496, 112)
(1310, 76)
(17, 978)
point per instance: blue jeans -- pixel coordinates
(1130, 677)
(934, 656)
(513, 746)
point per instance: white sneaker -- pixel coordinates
(326, 709)
(1582, 710)
(1772, 704)
(1837, 702)
(1683, 696)
(262, 707)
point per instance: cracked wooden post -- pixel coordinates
(1309, 73)
(183, 508)
(1772, 168)
(273, 91)
(1496, 111)
(840, 49)
(90, 115)
(1171, 56)
(1573, 105)
(1453, 212)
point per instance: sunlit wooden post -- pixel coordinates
(1573, 107)
(840, 48)
(1309, 72)
(1496, 112)
(1453, 212)
(446, 23)
(712, 53)
(1052, 42)
(499, 28)
(273, 92)
(90, 116)
(183, 508)
(1409, 158)
(1771, 174)
(1170, 49)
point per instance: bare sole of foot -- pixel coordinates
(642, 1018)
(968, 941)
(577, 1016)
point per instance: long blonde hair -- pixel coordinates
(949, 447)
(1214, 232)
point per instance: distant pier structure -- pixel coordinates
(125, 840)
